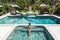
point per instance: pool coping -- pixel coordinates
(53, 29)
(55, 35)
(4, 15)
(8, 14)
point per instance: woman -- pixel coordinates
(29, 29)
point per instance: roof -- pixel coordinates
(43, 4)
(13, 5)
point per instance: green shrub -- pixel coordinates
(7, 7)
(35, 10)
(4, 11)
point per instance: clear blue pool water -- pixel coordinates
(32, 20)
(37, 33)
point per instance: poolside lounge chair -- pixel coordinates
(15, 12)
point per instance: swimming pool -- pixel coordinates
(32, 20)
(37, 33)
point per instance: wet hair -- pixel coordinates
(29, 23)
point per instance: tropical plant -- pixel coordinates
(25, 4)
